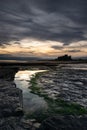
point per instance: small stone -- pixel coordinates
(36, 125)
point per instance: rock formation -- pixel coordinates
(8, 73)
(11, 106)
(64, 58)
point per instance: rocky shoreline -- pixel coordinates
(65, 83)
(73, 90)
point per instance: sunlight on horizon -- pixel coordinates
(34, 47)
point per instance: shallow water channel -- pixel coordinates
(31, 102)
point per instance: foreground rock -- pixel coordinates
(11, 106)
(65, 123)
(10, 99)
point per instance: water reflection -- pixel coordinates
(31, 102)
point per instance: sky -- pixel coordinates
(43, 28)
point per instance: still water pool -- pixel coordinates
(31, 102)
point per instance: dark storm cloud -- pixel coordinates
(57, 47)
(74, 51)
(56, 20)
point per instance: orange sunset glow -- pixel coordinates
(32, 47)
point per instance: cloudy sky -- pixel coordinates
(43, 28)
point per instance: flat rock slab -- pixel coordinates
(65, 123)
(67, 84)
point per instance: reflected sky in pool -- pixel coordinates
(31, 102)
